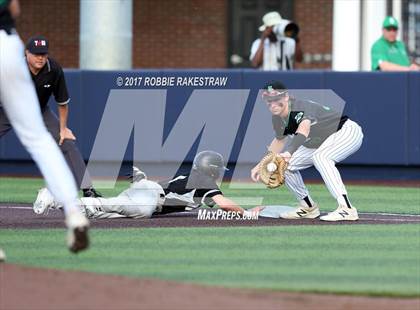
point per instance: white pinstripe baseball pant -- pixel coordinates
(334, 149)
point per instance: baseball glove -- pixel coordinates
(272, 167)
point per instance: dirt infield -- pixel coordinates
(21, 216)
(34, 288)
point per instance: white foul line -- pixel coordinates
(390, 214)
(391, 220)
(15, 207)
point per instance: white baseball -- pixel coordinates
(271, 167)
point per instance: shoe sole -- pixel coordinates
(81, 240)
(338, 220)
(309, 217)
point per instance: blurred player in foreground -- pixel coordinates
(19, 100)
(145, 198)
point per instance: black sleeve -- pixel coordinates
(206, 189)
(310, 111)
(207, 197)
(278, 127)
(61, 94)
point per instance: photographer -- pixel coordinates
(278, 47)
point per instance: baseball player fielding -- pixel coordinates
(318, 136)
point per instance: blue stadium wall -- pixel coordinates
(386, 105)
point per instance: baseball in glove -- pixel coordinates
(272, 167)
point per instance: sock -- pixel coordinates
(347, 201)
(308, 201)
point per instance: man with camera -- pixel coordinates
(278, 47)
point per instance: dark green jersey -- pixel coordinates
(324, 121)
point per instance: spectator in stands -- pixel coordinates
(278, 47)
(388, 53)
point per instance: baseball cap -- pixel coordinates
(390, 21)
(275, 85)
(270, 19)
(273, 91)
(37, 45)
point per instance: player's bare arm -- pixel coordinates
(304, 127)
(227, 204)
(276, 146)
(65, 132)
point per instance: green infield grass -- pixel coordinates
(351, 259)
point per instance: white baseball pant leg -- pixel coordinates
(20, 102)
(334, 149)
(139, 201)
(300, 160)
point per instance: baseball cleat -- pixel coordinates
(302, 212)
(44, 201)
(2, 256)
(138, 175)
(91, 193)
(343, 213)
(77, 231)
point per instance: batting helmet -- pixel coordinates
(210, 163)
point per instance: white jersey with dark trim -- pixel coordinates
(189, 191)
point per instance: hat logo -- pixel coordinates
(40, 43)
(298, 117)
